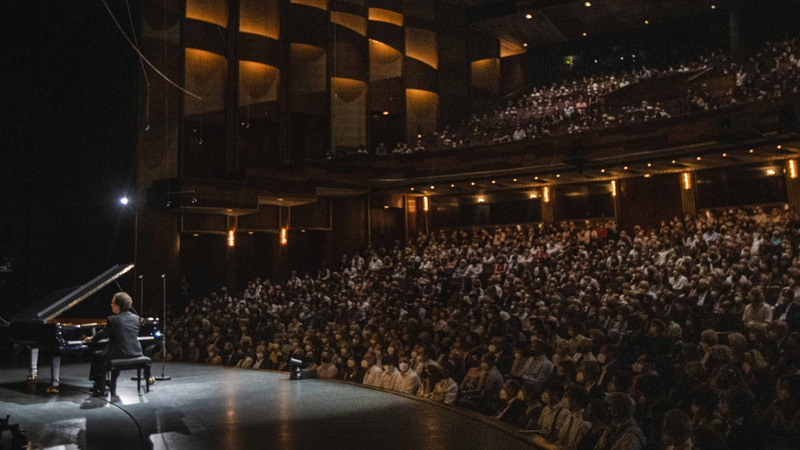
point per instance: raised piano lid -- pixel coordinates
(56, 303)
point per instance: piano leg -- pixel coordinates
(55, 372)
(34, 363)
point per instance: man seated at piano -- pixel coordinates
(122, 331)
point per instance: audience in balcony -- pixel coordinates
(577, 106)
(579, 334)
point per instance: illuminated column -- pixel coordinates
(547, 204)
(230, 255)
(688, 197)
(614, 186)
(793, 184)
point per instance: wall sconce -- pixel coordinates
(792, 168)
(546, 194)
(231, 238)
(613, 188)
(284, 236)
(425, 203)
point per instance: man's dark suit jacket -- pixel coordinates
(122, 331)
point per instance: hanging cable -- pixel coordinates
(135, 48)
(146, 78)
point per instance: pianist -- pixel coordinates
(122, 331)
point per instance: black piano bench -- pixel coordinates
(115, 366)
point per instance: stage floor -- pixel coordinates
(206, 407)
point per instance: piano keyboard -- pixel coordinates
(103, 341)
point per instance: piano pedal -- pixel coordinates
(32, 377)
(52, 390)
(151, 381)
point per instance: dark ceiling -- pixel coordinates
(558, 21)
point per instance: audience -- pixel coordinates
(680, 336)
(577, 106)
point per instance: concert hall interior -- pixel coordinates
(548, 224)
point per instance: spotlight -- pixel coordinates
(124, 200)
(529, 16)
(584, 34)
(386, 113)
(647, 22)
(587, 4)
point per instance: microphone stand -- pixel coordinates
(141, 312)
(164, 330)
(141, 294)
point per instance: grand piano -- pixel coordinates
(40, 327)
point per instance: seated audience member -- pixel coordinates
(485, 399)
(597, 415)
(446, 390)
(408, 381)
(373, 372)
(676, 432)
(572, 431)
(327, 369)
(390, 376)
(514, 407)
(533, 406)
(623, 432)
(555, 412)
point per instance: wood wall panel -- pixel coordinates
(648, 201)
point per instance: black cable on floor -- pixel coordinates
(141, 436)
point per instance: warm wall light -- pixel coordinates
(385, 206)
(546, 194)
(425, 204)
(770, 172)
(284, 236)
(792, 168)
(481, 200)
(433, 187)
(231, 238)
(587, 4)
(386, 113)
(613, 188)
(686, 177)
(533, 195)
(529, 16)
